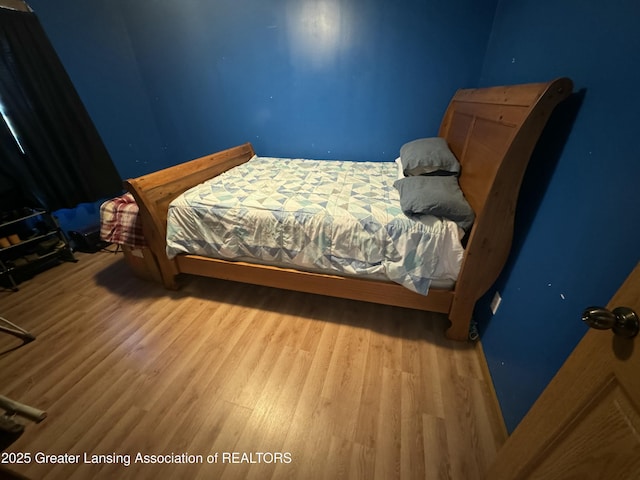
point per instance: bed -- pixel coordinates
(490, 131)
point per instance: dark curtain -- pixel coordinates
(65, 162)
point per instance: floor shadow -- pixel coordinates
(393, 321)
(9, 349)
(6, 474)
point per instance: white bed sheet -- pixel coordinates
(337, 217)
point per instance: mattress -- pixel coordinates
(337, 217)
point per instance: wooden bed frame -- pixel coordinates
(492, 131)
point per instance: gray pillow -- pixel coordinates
(440, 196)
(427, 156)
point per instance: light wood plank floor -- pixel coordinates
(304, 386)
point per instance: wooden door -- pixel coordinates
(586, 424)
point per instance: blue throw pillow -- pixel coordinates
(435, 195)
(428, 156)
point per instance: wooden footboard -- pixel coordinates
(155, 191)
(492, 131)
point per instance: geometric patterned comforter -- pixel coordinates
(332, 216)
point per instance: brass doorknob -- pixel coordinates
(622, 320)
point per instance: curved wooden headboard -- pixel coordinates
(493, 131)
(482, 125)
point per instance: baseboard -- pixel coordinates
(486, 374)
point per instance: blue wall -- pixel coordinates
(168, 81)
(579, 222)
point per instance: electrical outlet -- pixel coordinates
(495, 303)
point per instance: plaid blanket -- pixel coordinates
(120, 222)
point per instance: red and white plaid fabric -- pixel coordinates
(120, 222)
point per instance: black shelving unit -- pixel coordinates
(31, 240)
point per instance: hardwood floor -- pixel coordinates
(298, 386)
